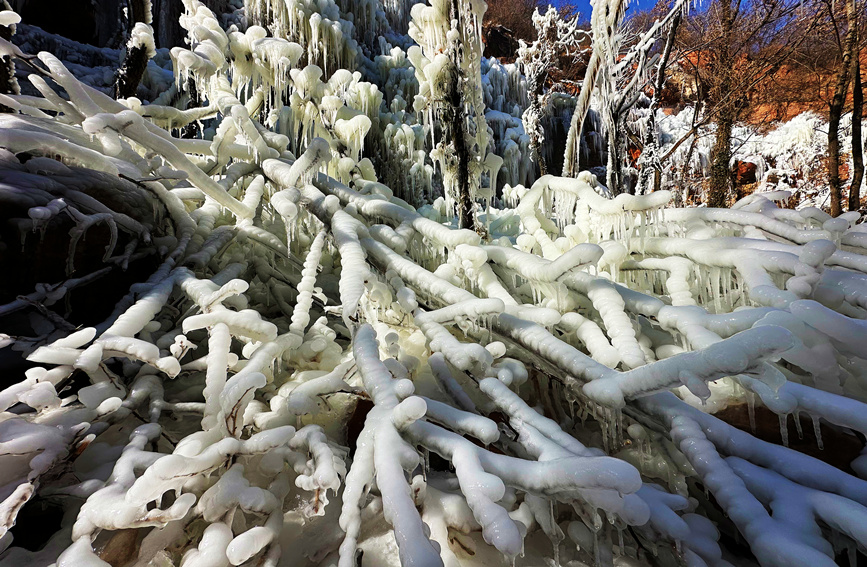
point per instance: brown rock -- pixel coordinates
(500, 42)
(745, 172)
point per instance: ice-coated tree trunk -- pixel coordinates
(454, 131)
(857, 140)
(131, 72)
(448, 36)
(136, 60)
(613, 179)
(720, 171)
(536, 141)
(573, 139)
(192, 129)
(548, 47)
(540, 61)
(466, 217)
(539, 156)
(836, 109)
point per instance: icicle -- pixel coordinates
(751, 409)
(554, 542)
(597, 555)
(817, 430)
(784, 428)
(800, 430)
(618, 428)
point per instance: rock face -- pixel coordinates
(84, 21)
(500, 42)
(745, 172)
(167, 30)
(101, 23)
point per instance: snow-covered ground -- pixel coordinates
(789, 155)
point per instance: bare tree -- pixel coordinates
(720, 172)
(514, 15)
(836, 108)
(730, 50)
(857, 140)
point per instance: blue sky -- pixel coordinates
(584, 5)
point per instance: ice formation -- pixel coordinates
(322, 371)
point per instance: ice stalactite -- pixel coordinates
(325, 35)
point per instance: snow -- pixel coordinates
(788, 156)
